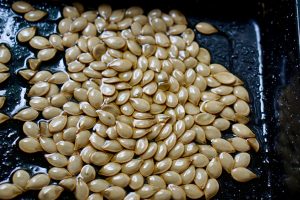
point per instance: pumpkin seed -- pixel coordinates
(35, 15)
(206, 28)
(22, 7)
(242, 174)
(50, 192)
(20, 178)
(211, 188)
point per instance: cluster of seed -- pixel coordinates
(21, 182)
(5, 57)
(140, 108)
(30, 13)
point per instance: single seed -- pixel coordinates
(206, 28)
(20, 178)
(50, 192)
(37, 182)
(35, 15)
(242, 174)
(211, 188)
(22, 7)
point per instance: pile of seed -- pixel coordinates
(5, 57)
(139, 113)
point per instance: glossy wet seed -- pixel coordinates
(143, 101)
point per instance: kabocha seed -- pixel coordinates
(140, 106)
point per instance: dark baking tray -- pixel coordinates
(258, 41)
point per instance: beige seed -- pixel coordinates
(208, 151)
(180, 165)
(172, 177)
(21, 7)
(211, 188)
(110, 169)
(226, 161)
(204, 118)
(241, 160)
(199, 160)
(177, 192)
(211, 132)
(64, 25)
(3, 118)
(68, 183)
(9, 191)
(132, 166)
(81, 190)
(35, 15)
(192, 191)
(240, 144)
(57, 159)
(136, 181)
(115, 42)
(87, 173)
(190, 149)
(206, 28)
(58, 123)
(30, 145)
(222, 145)
(26, 34)
(75, 164)
(50, 192)
(241, 107)
(242, 130)
(114, 193)
(65, 147)
(150, 152)
(225, 77)
(39, 103)
(70, 12)
(46, 54)
(201, 178)
(39, 89)
(104, 11)
(147, 191)
(121, 180)
(69, 40)
(204, 56)
(123, 156)
(176, 151)
(100, 158)
(221, 124)
(4, 68)
(228, 114)
(200, 134)
(162, 194)
(242, 174)
(141, 146)
(147, 168)
(57, 173)
(106, 117)
(156, 181)
(98, 185)
(20, 179)
(241, 93)
(58, 78)
(112, 146)
(212, 107)
(132, 196)
(188, 175)
(37, 182)
(5, 54)
(253, 143)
